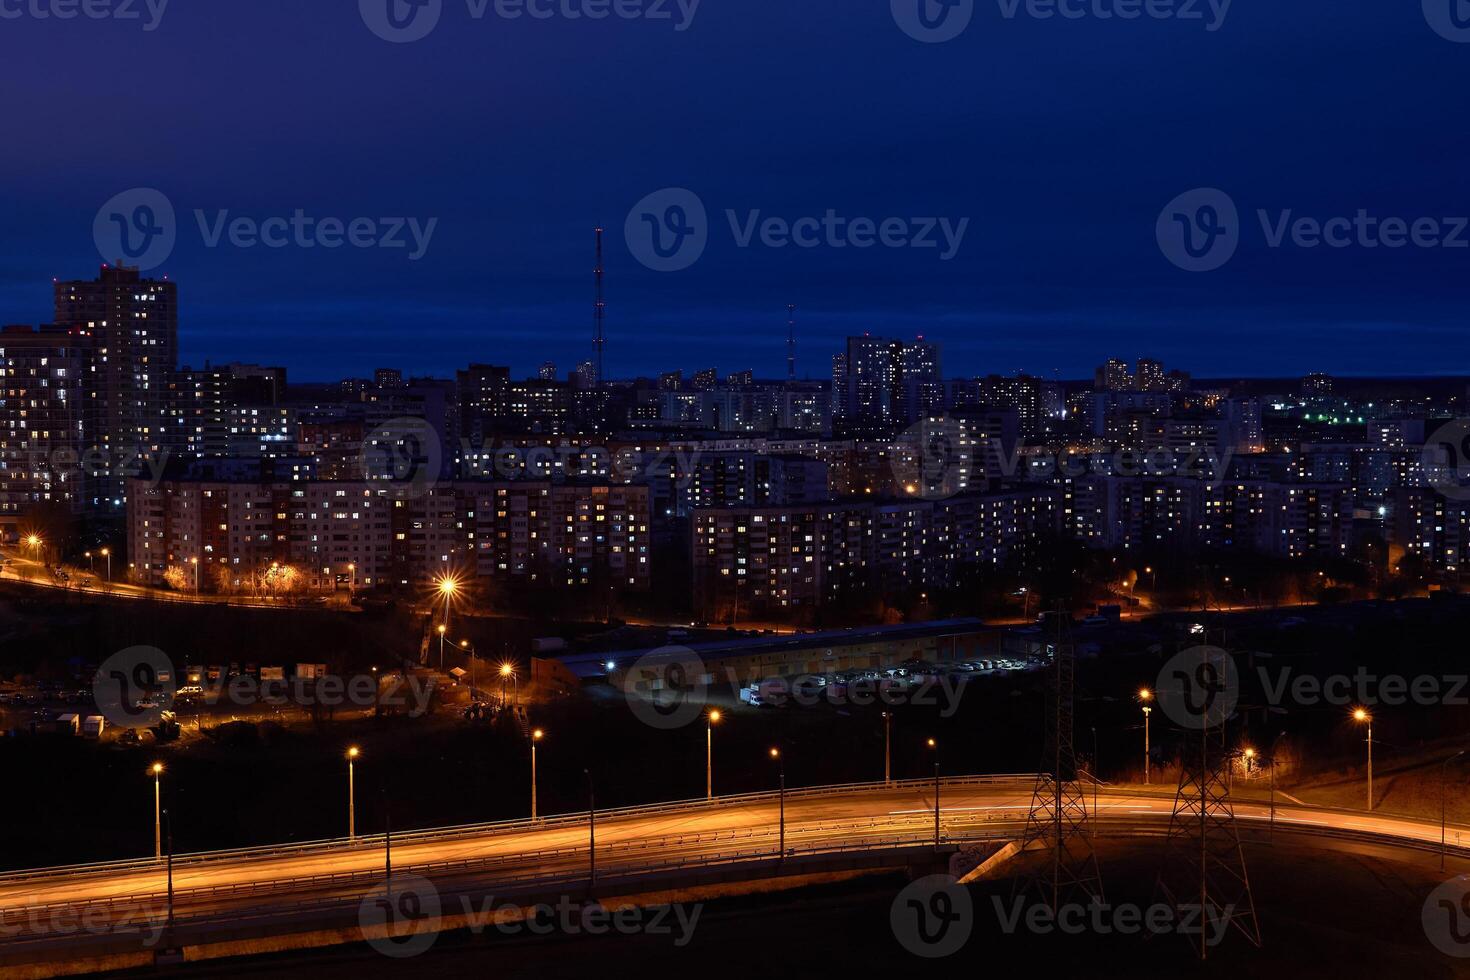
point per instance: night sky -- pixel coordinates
(1060, 140)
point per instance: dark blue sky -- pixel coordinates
(1060, 140)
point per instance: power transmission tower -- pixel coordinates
(1059, 822)
(1203, 874)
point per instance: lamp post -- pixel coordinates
(447, 588)
(887, 748)
(935, 746)
(91, 564)
(1145, 696)
(195, 563)
(536, 736)
(1443, 766)
(1362, 717)
(157, 770)
(470, 651)
(170, 867)
(591, 830)
(508, 671)
(781, 776)
(352, 755)
(352, 582)
(107, 553)
(709, 753)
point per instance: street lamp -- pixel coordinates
(157, 770)
(1442, 767)
(935, 746)
(352, 582)
(107, 553)
(536, 736)
(1145, 696)
(509, 670)
(447, 588)
(195, 563)
(887, 748)
(352, 755)
(781, 776)
(1363, 718)
(709, 753)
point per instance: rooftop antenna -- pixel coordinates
(791, 344)
(600, 312)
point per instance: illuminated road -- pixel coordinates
(833, 820)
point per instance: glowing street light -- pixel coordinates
(352, 755)
(887, 748)
(781, 774)
(536, 736)
(448, 587)
(935, 746)
(157, 770)
(107, 553)
(508, 670)
(1145, 696)
(1362, 717)
(709, 753)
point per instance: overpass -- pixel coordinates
(229, 902)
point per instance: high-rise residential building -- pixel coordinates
(1115, 375)
(585, 377)
(134, 327)
(388, 378)
(482, 392)
(1318, 384)
(1151, 376)
(671, 381)
(42, 425)
(880, 385)
(705, 380)
(547, 371)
